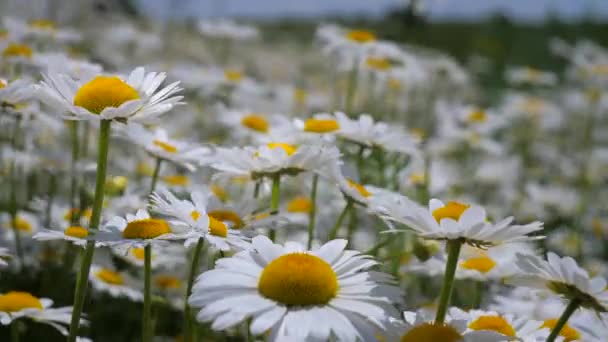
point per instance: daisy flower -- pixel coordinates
(163, 256)
(16, 304)
(160, 145)
(74, 234)
(296, 294)
(563, 277)
(193, 214)
(15, 92)
(104, 97)
(117, 284)
(511, 327)
(4, 254)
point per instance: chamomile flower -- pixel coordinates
(26, 223)
(455, 220)
(4, 255)
(296, 294)
(115, 283)
(15, 92)
(163, 256)
(74, 234)
(511, 327)
(227, 29)
(531, 76)
(160, 145)
(193, 214)
(563, 277)
(105, 97)
(17, 304)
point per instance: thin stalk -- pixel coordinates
(13, 193)
(334, 231)
(191, 276)
(155, 175)
(563, 319)
(313, 210)
(15, 331)
(51, 199)
(256, 189)
(351, 91)
(448, 279)
(73, 179)
(85, 264)
(479, 291)
(360, 163)
(274, 201)
(374, 250)
(146, 325)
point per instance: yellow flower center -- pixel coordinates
(477, 116)
(597, 227)
(3, 34)
(299, 205)
(43, 24)
(17, 50)
(217, 227)
(298, 279)
(289, 149)
(359, 187)
(378, 63)
(219, 192)
(2, 84)
(255, 122)
(430, 332)
(481, 264)
(321, 125)
(22, 224)
(394, 84)
(146, 229)
(176, 180)
(233, 75)
(77, 232)
(144, 169)
(195, 215)
(533, 74)
(451, 210)
(417, 178)
(103, 92)
(361, 36)
(227, 215)
(109, 277)
(567, 332)
(300, 95)
(167, 282)
(138, 253)
(493, 323)
(16, 301)
(116, 184)
(165, 146)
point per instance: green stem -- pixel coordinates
(572, 306)
(146, 322)
(360, 163)
(453, 247)
(352, 88)
(334, 231)
(374, 250)
(313, 209)
(85, 264)
(50, 200)
(73, 179)
(13, 193)
(191, 276)
(155, 175)
(274, 201)
(15, 330)
(479, 291)
(256, 189)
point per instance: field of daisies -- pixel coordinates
(209, 185)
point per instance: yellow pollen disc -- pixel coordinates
(17, 50)
(567, 332)
(493, 323)
(233, 75)
(138, 253)
(289, 149)
(533, 74)
(3, 34)
(43, 24)
(16, 301)
(2, 84)
(299, 205)
(477, 116)
(255, 122)
(300, 95)
(110, 277)
(71, 213)
(430, 332)
(146, 229)
(217, 227)
(597, 227)
(21, 224)
(321, 125)
(298, 279)
(481, 264)
(176, 180)
(227, 215)
(165, 146)
(361, 36)
(167, 282)
(219, 192)
(116, 184)
(394, 83)
(144, 169)
(261, 216)
(359, 187)
(378, 63)
(451, 210)
(195, 215)
(103, 92)
(417, 178)
(77, 232)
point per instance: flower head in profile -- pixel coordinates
(136, 98)
(563, 277)
(296, 294)
(456, 220)
(115, 283)
(74, 234)
(508, 325)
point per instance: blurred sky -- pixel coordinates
(524, 10)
